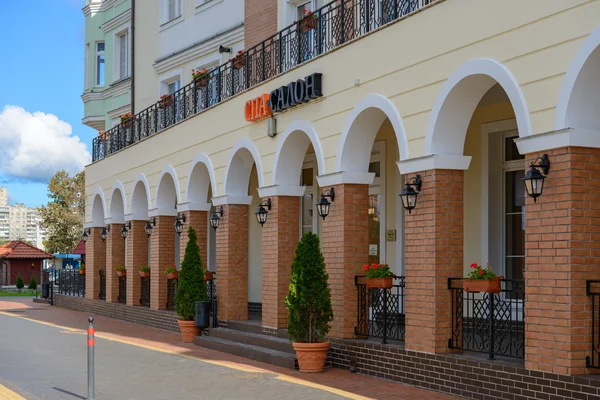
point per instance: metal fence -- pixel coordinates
(102, 294)
(592, 289)
(329, 27)
(381, 312)
(489, 323)
(71, 283)
(122, 298)
(145, 292)
(171, 290)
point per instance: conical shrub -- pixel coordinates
(191, 286)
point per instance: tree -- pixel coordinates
(32, 284)
(62, 217)
(191, 286)
(20, 283)
(309, 299)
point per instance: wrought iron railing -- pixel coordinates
(381, 311)
(102, 295)
(122, 298)
(171, 290)
(71, 283)
(330, 26)
(145, 292)
(489, 323)
(592, 289)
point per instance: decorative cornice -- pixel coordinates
(115, 89)
(434, 161)
(277, 190)
(91, 8)
(569, 137)
(115, 22)
(231, 199)
(115, 112)
(339, 178)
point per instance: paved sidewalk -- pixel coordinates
(334, 381)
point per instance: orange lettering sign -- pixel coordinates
(257, 108)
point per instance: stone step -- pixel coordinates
(256, 353)
(255, 339)
(245, 326)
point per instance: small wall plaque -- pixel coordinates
(390, 235)
(372, 249)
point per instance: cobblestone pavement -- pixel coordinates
(43, 356)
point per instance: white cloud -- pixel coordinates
(34, 146)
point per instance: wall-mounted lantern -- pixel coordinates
(261, 213)
(86, 234)
(178, 225)
(125, 230)
(534, 180)
(149, 226)
(323, 204)
(216, 216)
(104, 233)
(409, 194)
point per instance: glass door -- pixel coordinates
(376, 210)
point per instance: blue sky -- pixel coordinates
(41, 74)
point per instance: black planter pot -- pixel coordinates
(202, 314)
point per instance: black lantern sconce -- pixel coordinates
(178, 225)
(86, 234)
(324, 204)
(216, 216)
(148, 228)
(104, 233)
(534, 179)
(261, 213)
(409, 194)
(125, 230)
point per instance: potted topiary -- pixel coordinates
(379, 276)
(482, 280)
(191, 288)
(171, 272)
(145, 271)
(309, 305)
(121, 270)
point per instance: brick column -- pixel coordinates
(562, 241)
(162, 254)
(115, 256)
(199, 221)
(232, 263)
(137, 255)
(434, 252)
(95, 249)
(345, 248)
(280, 236)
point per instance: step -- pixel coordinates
(255, 339)
(256, 353)
(250, 326)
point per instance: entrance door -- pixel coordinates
(376, 211)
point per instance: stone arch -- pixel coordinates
(98, 209)
(458, 99)
(117, 204)
(291, 150)
(359, 133)
(167, 192)
(200, 178)
(140, 198)
(579, 95)
(239, 167)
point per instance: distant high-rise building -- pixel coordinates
(18, 222)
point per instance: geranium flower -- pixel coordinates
(474, 265)
(481, 272)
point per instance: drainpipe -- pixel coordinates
(132, 57)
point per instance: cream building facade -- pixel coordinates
(463, 93)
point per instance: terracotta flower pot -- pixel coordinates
(145, 274)
(308, 24)
(311, 356)
(483, 285)
(172, 275)
(188, 331)
(121, 273)
(201, 82)
(208, 276)
(239, 62)
(380, 283)
(81, 272)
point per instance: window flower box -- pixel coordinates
(379, 276)
(482, 280)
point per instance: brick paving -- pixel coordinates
(166, 341)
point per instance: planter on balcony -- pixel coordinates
(239, 61)
(208, 276)
(380, 283)
(144, 274)
(308, 24)
(172, 275)
(121, 273)
(483, 285)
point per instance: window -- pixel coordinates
(123, 55)
(173, 9)
(174, 86)
(100, 64)
(87, 67)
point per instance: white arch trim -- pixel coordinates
(120, 218)
(93, 223)
(168, 169)
(136, 214)
(566, 90)
(481, 66)
(236, 185)
(281, 177)
(389, 109)
(202, 159)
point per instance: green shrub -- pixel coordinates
(309, 299)
(32, 284)
(191, 286)
(144, 268)
(20, 283)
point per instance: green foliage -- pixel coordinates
(170, 270)
(20, 283)
(62, 217)
(32, 284)
(309, 299)
(121, 268)
(144, 268)
(377, 270)
(480, 273)
(191, 286)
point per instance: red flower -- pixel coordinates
(366, 267)
(381, 265)
(474, 265)
(481, 272)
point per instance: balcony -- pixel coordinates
(331, 26)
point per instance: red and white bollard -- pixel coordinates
(90, 346)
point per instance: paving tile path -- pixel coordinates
(43, 356)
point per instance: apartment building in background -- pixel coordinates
(18, 222)
(108, 63)
(440, 134)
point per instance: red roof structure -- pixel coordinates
(19, 249)
(80, 248)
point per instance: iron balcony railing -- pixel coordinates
(102, 295)
(145, 292)
(71, 282)
(489, 323)
(329, 27)
(122, 298)
(381, 312)
(592, 289)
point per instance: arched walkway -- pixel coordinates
(117, 204)
(98, 212)
(201, 178)
(167, 192)
(140, 199)
(237, 174)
